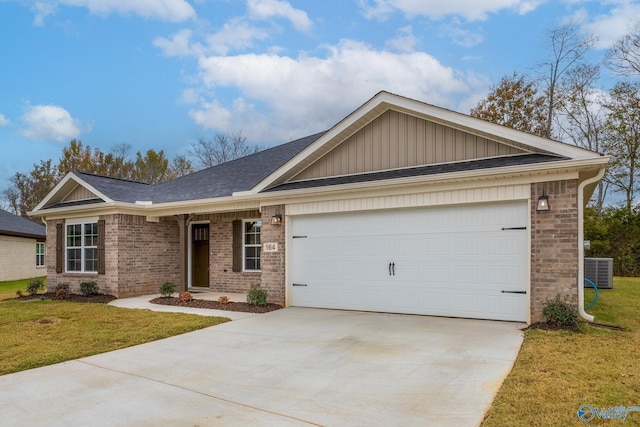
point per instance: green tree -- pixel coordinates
(621, 138)
(27, 190)
(151, 168)
(514, 103)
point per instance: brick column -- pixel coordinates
(273, 263)
(554, 245)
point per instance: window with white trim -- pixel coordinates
(251, 246)
(82, 247)
(40, 251)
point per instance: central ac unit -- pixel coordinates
(599, 271)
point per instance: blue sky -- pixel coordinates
(160, 74)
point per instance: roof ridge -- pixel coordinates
(110, 177)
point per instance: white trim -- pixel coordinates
(44, 254)
(82, 247)
(69, 177)
(244, 221)
(190, 250)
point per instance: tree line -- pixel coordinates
(565, 99)
(27, 189)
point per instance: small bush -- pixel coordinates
(63, 285)
(62, 293)
(186, 297)
(89, 289)
(257, 295)
(34, 286)
(167, 288)
(223, 300)
(560, 313)
(19, 293)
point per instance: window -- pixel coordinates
(251, 245)
(82, 247)
(40, 254)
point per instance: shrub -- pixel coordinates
(167, 288)
(223, 300)
(560, 313)
(19, 293)
(62, 293)
(89, 289)
(34, 286)
(63, 285)
(257, 295)
(186, 296)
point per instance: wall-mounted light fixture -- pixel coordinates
(276, 220)
(543, 203)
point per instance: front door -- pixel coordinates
(200, 255)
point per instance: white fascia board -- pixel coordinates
(68, 177)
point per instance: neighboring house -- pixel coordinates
(22, 248)
(401, 207)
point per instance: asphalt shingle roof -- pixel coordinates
(13, 225)
(495, 162)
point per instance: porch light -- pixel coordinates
(276, 220)
(543, 203)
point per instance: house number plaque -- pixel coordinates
(269, 247)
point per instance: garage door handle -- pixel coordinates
(514, 292)
(392, 269)
(513, 228)
(299, 284)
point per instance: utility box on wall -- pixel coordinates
(599, 271)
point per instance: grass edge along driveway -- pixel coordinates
(556, 372)
(39, 333)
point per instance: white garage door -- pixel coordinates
(460, 261)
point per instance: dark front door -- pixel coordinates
(200, 256)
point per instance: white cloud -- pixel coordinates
(51, 122)
(405, 41)
(460, 36)
(4, 121)
(178, 44)
(236, 34)
(471, 10)
(42, 10)
(612, 26)
(291, 97)
(266, 9)
(164, 10)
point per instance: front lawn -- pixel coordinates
(8, 289)
(38, 333)
(557, 371)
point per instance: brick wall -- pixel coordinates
(554, 245)
(139, 256)
(222, 278)
(273, 263)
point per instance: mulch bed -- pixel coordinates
(230, 306)
(98, 299)
(551, 327)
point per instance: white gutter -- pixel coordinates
(583, 184)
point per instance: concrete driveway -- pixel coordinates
(291, 367)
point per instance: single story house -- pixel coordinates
(22, 248)
(401, 207)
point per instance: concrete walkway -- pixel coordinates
(142, 302)
(291, 367)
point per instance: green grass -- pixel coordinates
(8, 289)
(39, 333)
(558, 371)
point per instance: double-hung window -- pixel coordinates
(40, 251)
(82, 247)
(251, 245)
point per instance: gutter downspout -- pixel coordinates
(583, 184)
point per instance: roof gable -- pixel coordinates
(492, 137)
(396, 140)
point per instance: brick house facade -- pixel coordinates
(393, 154)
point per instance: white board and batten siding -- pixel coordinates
(457, 260)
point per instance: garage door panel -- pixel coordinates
(451, 261)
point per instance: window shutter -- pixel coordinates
(101, 238)
(59, 248)
(237, 246)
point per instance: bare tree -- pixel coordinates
(623, 58)
(581, 114)
(222, 148)
(180, 166)
(568, 47)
